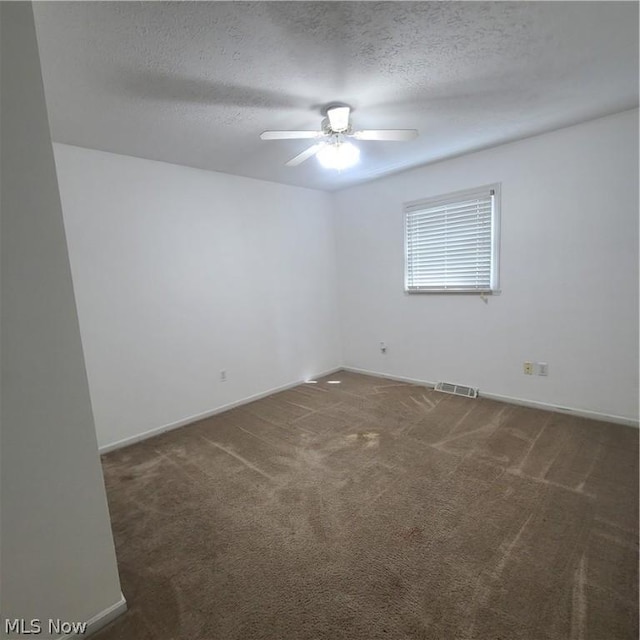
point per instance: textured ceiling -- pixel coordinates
(195, 83)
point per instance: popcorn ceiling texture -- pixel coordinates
(376, 510)
(195, 83)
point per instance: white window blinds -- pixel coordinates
(452, 243)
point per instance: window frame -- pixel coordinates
(449, 198)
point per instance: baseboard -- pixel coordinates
(388, 376)
(582, 413)
(100, 620)
(206, 414)
(534, 404)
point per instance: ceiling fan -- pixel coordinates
(333, 149)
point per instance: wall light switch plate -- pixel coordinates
(543, 369)
(527, 367)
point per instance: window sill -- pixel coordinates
(478, 292)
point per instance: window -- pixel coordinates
(451, 242)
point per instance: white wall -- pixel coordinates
(57, 552)
(180, 273)
(569, 273)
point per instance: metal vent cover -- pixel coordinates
(457, 389)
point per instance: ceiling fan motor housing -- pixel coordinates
(326, 127)
(338, 117)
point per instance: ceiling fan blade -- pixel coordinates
(290, 135)
(301, 157)
(386, 134)
(338, 118)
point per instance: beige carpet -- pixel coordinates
(376, 510)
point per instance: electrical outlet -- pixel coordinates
(223, 375)
(383, 347)
(543, 369)
(528, 368)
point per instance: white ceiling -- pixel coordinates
(195, 83)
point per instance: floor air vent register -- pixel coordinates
(457, 389)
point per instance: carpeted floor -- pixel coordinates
(374, 510)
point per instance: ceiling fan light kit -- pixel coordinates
(334, 151)
(338, 155)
